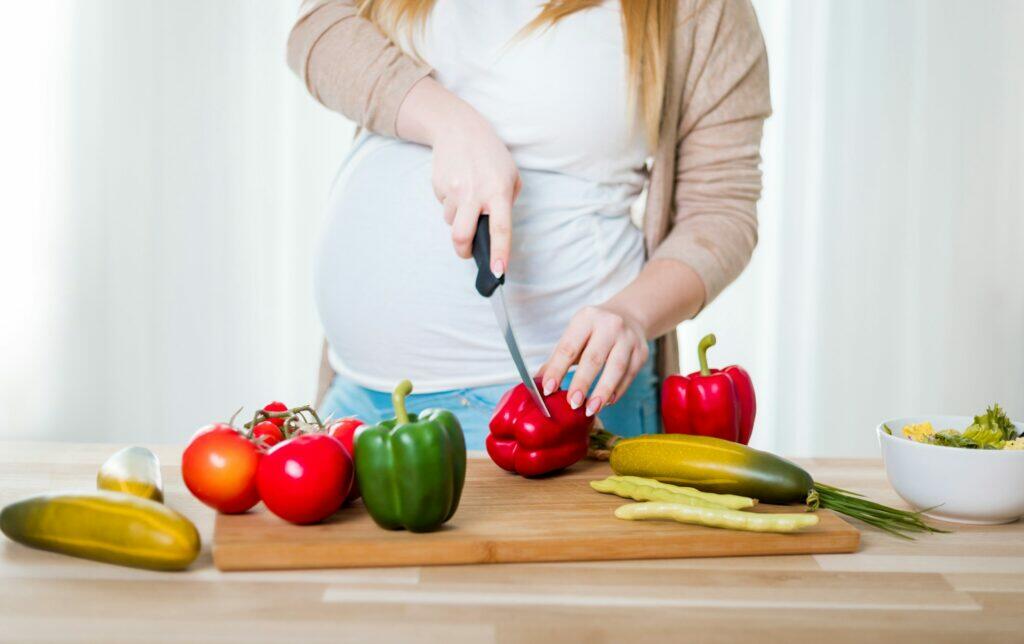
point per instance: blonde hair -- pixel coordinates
(646, 26)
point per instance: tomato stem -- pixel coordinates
(252, 424)
(292, 418)
(316, 417)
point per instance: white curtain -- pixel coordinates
(166, 281)
(888, 280)
(164, 176)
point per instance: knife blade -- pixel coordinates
(490, 287)
(501, 315)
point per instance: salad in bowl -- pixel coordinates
(957, 468)
(991, 430)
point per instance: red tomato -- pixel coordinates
(306, 478)
(269, 432)
(345, 430)
(219, 467)
(276, 406)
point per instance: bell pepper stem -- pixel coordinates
(706, 343)
(402, 390)
(601, 443)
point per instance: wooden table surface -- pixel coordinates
(968, 585)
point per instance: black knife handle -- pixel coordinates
(486, 282)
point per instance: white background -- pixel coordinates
(162, 178)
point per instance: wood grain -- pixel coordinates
(504, 518)
(963, 586)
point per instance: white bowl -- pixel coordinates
(982, 486)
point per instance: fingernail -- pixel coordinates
(549, 386)
(576, 399)
(611, 399)
(498, 268)
(593, 406)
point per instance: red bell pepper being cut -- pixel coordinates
(524, 441)
(709, 402)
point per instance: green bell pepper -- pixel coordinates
(411, 468)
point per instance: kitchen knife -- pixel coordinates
(490, 287)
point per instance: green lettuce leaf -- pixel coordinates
(991, 428)
(952, 438)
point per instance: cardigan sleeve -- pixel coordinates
(718, 181)
(349, 66)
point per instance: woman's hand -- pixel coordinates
(613, 336)
(598, 337)
(474, 173)
(473, 170)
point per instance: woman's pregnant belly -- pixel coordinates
(397, 302)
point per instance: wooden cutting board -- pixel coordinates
(506, 518)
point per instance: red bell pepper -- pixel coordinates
(710, 402)
(523, 440)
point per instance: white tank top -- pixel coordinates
(394, 299)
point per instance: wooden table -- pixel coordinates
(968, 585)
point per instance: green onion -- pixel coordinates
(897, 522)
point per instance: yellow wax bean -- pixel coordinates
(637, 492)
(716, 518)
(731, 501)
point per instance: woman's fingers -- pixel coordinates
(636, 362)
(592, 360)
(500, 212)
(464, 229)
(615, 370)
(449, 210)
(607, 346)
(566, 352)
(463, 219)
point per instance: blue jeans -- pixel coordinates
(635, 413)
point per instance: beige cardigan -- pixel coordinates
(704, 180)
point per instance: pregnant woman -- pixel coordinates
(551, 118)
